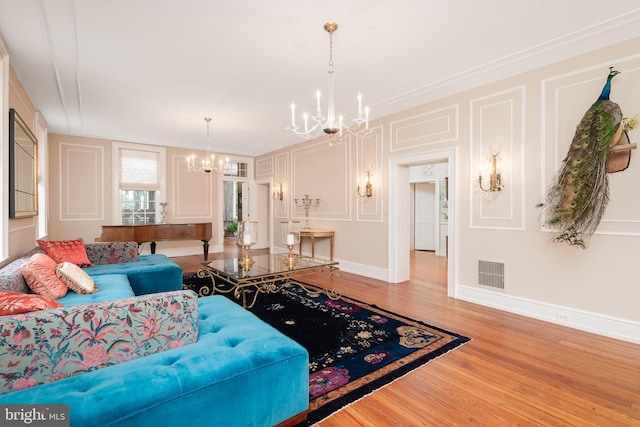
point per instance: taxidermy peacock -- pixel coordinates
(577, 199)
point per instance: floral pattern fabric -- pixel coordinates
(102, 253)
(44, 346)
(11, 278)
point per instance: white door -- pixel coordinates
(425, 220)
(263, 219)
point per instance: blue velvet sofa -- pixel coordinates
(186, 361)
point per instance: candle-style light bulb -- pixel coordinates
(366, 117)
(293, 115)
(319, 111)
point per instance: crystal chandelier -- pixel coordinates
(329, 125)
(206, 165)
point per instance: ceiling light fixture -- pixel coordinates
(206, 165)
(329, 125)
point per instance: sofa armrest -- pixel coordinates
(48, 345)
(101, 253)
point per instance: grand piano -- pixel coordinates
(153, 233)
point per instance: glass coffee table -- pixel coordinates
(266, 274)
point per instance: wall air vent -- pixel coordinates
(491, 274)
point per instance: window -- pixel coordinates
(139, 177)
(236, 169)
(138, 207)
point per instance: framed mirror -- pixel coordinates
(23, 169)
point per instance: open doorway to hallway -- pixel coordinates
(429, 216)
(401, 246)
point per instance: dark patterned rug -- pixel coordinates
(354, 348)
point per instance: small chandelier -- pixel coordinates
(206, 165)
(329, 124)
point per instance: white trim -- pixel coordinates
(399, 265)
(4, 149)
(613, 327)
(269, 183)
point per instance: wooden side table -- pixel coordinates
(313, 234)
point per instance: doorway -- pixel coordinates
(400, 208)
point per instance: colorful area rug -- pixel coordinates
(354, 348)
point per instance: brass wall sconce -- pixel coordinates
(278, 194)
(495, 177)
(368, 187)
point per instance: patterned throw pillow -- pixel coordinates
(17, 302)
(72, 251)
(40, 274)
(76, 278)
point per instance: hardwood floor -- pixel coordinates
(516, 371)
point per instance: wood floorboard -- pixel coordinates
(516, 371)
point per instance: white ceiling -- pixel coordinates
(149, 71)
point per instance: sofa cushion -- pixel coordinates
(111, 287)
(40, 274)
(75, 278)
(72, 251)
(101, 253)
(70, 341)
(17, 302)
(11, 278)
(152, 273)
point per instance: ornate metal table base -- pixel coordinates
(248, 287)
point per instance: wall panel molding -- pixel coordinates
(309, 175)
(429, 128)
(190, 191)
(369, 158)
(264, 167)
(498, 127)
(86, 161)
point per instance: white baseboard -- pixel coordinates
(622, 329)
(365, 270)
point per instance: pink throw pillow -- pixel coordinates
(40, 274)
(72, 251)
(17, 302)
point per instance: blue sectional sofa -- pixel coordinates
(186, 361)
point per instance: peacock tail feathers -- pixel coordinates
(579, 194)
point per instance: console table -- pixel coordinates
(313, 234)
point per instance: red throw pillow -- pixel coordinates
(17, 302)
(72, 251)
(40, 274)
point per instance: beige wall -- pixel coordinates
(82, 188)
(23, 232)
(530, 119)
